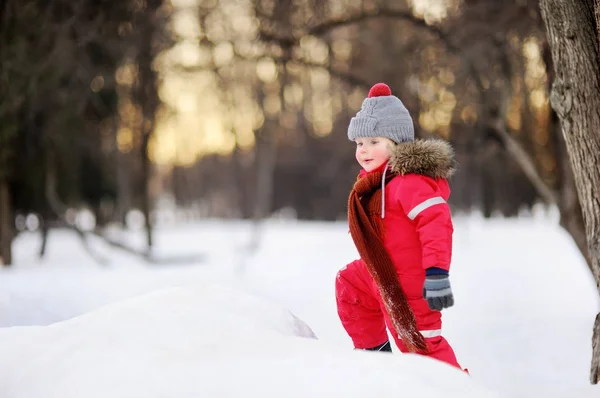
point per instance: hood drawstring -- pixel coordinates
(383, 190)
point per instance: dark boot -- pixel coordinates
(385, 347)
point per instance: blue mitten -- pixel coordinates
(437, 289)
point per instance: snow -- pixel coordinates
(266, 324)
(204, 341)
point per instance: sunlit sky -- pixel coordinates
(199, 122)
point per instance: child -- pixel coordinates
(401, 225)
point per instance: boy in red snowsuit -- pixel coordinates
(401, 224)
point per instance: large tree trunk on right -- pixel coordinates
(574, 40)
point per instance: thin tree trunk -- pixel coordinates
(265, 158)
(123, 200)
(45, 232)
(6, 223)
(6, 230)
(266, 140)
(239, 178)
(146, 198)
(146, 95)
(573, 37)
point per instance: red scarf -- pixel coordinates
(366, 228)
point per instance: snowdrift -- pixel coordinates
(205, 341)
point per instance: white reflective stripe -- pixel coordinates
(383, 190)
(425, 205)
(431, 333)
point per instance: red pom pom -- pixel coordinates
(380, 90)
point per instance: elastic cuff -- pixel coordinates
(435, 271)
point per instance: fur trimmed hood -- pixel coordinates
(432, 158)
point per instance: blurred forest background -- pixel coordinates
(239, 108)
(133, 113)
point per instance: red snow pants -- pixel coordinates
(363, 316)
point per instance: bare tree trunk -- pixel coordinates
(571, 218)
(266, 142)
(266, 147)
(146, 198)
(265, 153)
(146, 95)
(45, 232)
(573, 37)
(239, 178)
(597, 13)
(6, 223)
(6, 230)
(123, 201)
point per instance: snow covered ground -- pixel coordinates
(233, 326)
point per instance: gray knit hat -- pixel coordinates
(382, 115)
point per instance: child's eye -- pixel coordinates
(374, 142)
(359, 144)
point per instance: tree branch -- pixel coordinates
(498, 122)
(59, 209)
(527, 165)
(344, 76)
(326, 26)
(511, 145)
(444, 37)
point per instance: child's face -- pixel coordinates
(372, 152)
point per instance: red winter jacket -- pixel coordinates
(418, 235)
(418, 224)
